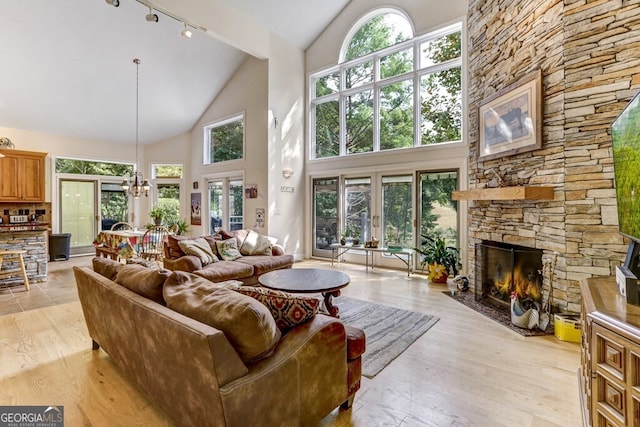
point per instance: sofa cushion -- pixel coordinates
(247, 324)
(287, 309)
(228, 249)
(225, 270)
(255, 244)
(145, 281)
(200, 248)
(173, 248)
(106, 267)
(265, 263)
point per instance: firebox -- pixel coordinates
(503, 270)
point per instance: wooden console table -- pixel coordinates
(338, 249)
(610, 368)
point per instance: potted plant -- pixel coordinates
(441, 259)
(157, 214)
(180, 227)
(355, 236)
(343, 238)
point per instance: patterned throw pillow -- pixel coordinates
(228, 249)
(287, 309)
(200, 248)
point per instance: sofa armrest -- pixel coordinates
(188, 263)
(277, 250)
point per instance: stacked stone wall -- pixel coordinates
(589, 54)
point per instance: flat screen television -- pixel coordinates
(625, 135)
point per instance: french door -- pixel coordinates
(88, 206)
(226, 209)
(397, 208)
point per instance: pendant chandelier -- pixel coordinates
(136, 185)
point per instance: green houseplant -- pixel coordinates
(157, 214)
(441, 259)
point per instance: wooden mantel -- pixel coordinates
(505, 193)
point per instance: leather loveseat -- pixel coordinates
(246, 268)
(193, 371)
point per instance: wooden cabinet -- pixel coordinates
(610, 370)
(22, 176)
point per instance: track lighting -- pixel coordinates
(186, 32)
(114, 3)
(151, 17)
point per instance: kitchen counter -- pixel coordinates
(33, 238)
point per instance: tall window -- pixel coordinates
(167, 179)
(370, 101)
(225, 140)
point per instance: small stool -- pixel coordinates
(22, 267)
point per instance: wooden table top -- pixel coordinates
(304, 280)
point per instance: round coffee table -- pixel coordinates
(308, 281)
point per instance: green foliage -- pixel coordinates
(227, 141)
(88, 167)
(180, 227)
(156, 212)
(168, 171)
(434, 250)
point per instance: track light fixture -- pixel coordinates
(186, 32)
(152, 17)
(114, 3)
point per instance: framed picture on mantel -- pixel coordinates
(510, 121)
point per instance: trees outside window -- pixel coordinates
(376, 80)
(225, 140)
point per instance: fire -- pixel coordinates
(523, 285)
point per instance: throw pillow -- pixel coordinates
(145, 281)
(255, 244)
(246, 323)
(106, 267)
(287, 309)
(228, 249)
(200, 248)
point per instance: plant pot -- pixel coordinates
(441, 279)
(157, 221)
(438, 273)
(343, 242)
(356, 242)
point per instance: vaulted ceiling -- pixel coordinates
(67, 67)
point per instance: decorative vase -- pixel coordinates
(157, 221)
(343, 242)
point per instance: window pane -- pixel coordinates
(397, 211)
(358, 208)
(396, 115)
(215, 205)
(359, 111)
(396, 63)
(226, 141)
(167, 171)
(325, 196)
(328, 84)
(379, 32)
(359, 75)
(438, 213)
(114, 205)
(88, 167)
(235, 205)
(169, 202)
(327, 129)
(440, 50)
(441, 106)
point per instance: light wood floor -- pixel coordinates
(465, 371)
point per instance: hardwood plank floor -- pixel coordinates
(467, 370)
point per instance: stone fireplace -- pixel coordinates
(589, 74)
(504, 270)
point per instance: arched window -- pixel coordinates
(390, 91)
(375, 33)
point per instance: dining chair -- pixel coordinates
(121, 226)
(153, 241)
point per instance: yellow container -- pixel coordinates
(568, 327)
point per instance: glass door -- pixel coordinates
(114, 205)
(78, 214)
(226, 204)
(325, 215)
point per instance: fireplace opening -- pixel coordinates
(503, 270)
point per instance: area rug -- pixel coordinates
(389, 330)
(495, 312)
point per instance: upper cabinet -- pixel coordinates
(22, 176)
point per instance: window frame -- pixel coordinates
(207, 160)
(415, 74)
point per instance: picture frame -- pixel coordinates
(196, 206)
(510, 121)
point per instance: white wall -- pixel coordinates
(246, 93)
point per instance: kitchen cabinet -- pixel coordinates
(22, 176)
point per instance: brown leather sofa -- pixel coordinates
(192, 371)
(247, 268)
